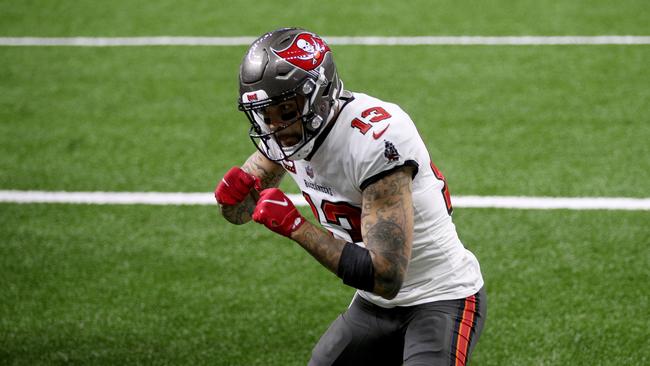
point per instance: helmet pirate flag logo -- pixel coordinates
(307, 51)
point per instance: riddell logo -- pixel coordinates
(307, 51)
(254, 96)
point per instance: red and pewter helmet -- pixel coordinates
(282, 65)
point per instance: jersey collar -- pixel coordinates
(346, 97)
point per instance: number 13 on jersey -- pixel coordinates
(373, 115)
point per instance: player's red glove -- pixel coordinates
(235, 186)
(275, 211)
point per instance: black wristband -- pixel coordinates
(355, 267)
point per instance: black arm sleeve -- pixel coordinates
(355, 267)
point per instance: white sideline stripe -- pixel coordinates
(371, 41)
(550, 203)
(159, 198)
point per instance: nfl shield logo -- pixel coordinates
(310, 171)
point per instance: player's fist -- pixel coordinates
(275, 211)
(235, 186)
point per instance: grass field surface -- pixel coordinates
(115, 285)
(172, 285)
(337, 17)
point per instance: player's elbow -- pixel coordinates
(389, 283)
(390, 270)
(391, 293)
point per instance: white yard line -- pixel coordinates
(159, 198)
(374, 41)
(550, 203)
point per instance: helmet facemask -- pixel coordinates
(267, 136)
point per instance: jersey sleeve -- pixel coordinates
(388, 146)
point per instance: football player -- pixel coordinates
(366, 173)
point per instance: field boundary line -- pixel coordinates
(334, 40)
(171, 198)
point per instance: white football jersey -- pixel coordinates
(369, 139)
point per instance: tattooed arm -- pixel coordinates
(270, 175)
(386, 227)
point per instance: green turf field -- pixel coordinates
(336, 17)
(177, 285)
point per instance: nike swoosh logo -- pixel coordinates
(376, 135)
(281, 203)
(224, 182)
